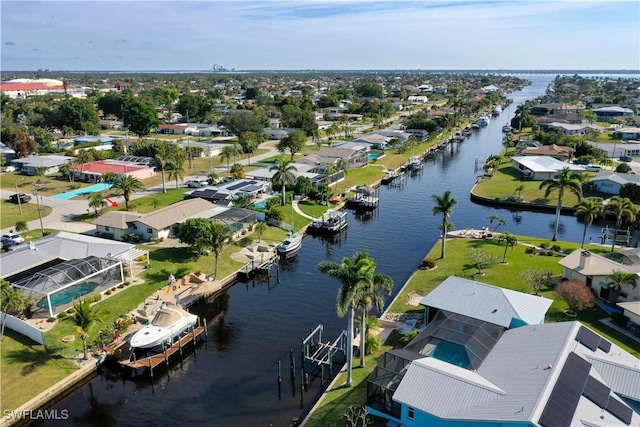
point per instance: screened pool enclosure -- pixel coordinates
(55, 287)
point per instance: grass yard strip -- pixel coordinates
(10, 213)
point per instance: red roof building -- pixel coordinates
(93, 171)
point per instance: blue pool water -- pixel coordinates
(451, 353)
(373, 156)
(610, 309)
(84, 190)
(260, 205)
(68, 294)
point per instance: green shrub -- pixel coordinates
(115, 288)
(62, 315)
(556, 248)
(372, 344)
(70, 311)
(428, 262)
(51, 319)
(530, 250)
(549, 253)
(406, 338)
(108, 292)
(544, 245)
(127, 283)
(121, 285)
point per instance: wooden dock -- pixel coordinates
(254, 265)
(156, 360)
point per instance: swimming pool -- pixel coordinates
(69, 294)
(260, 205)
(84, 190)
(454, 354)
(373, 156)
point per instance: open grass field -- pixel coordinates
(10, 212)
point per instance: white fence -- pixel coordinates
(22, 328)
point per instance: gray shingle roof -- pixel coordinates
(116, 219)
(173, 214)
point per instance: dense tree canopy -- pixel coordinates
(77, 114)
(238, 122)
(195, 107)
(369, 89)
(139, 117)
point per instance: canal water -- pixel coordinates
(232, 379)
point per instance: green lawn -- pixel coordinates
(457, 263)
(28, 369)
(10, 212)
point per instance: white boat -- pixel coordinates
(331, 222)
(506, 128)
(415, 162)
(169, 322)
(497, 110)
(483, 120)
(290, 244)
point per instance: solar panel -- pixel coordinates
(620, 410)
(588, 338)
(566, 393)
(604, 345)
(597, 392)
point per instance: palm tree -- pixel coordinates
(66, 170)
(21, 226)
(10, 300)
(213, 177)
(616, 280)
(523, 111)
(567, 181)
(228, 152)
(164, 158)
(590, 208)
(284, 175)
(108, 177)
(509, 240)
(369, 296)
(444, 205)
(176, 171)
(353, 274)
(261, 227)
(624, 209)
(83, 316)
(127, 184)
(217, 235)
(342, 166)
(499, 221)
(96, 201)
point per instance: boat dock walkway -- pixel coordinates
(156, 360)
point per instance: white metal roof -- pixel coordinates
(545, 164)
(595, 265)
(486, 302)
(63, 245)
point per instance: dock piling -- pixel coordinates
(279, 381)
(206, 333)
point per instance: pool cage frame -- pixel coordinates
(57, 278)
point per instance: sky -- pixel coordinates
(321, 35)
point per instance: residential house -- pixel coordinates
(539, 168)
(572, 118)
(631, 310)
(355, 157)
(93, 171)
(612, 112)
(419, 134)
(556, 151)
(173, 129)
(162, 223)
(486, 359)
(417, 99)
(557, 108)
(115, 224)
(567, 128)
(593, 270)
(616, 150)
(226, 192)
(612, 182)
(120, 86)
(375, 140)
(31, 164)
(627, 133)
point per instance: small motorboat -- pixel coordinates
(290, 244)
(331, 222)
(168, 324)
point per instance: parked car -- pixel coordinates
(625, 159)
(11, 239)
(593, 168)
(197, 183)
(9, 169)
(24, 198)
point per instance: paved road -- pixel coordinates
(63, 211)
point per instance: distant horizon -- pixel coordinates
(385, 70)
(441, 35)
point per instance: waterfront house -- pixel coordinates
(224, 193)
(30, 165)
(539, 168)
(375, 140)
(567, 128)
(556, 108)
(162, 223)
(354, 157)
(593, 269)
(559, 152)
(47, 267)
(631, 310)
(173, 129)
(612, 182)
(486, 359)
